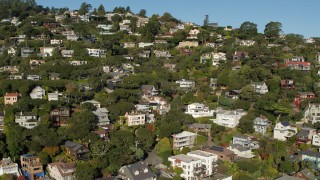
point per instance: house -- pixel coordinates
(304, 136)
(102, 116)
(12, 51)
(283, 130)
(54, 76)
(56, 42)
(61, 170)
(104, 27)
(228, 118)
(184, 44)
(37, 93)
(194, 32)
(145, 44)
(78, 63)
(312, 113)
(303, 96)
(162, 54)
(100, 53)
(149, 90)
(10, 69)
(136, 118)
(160, 41)
(103, 132)
(136, 171)
(11, 98)
(28, 120)
(170, 67)
(261, 124)
(296, 65)
(124, 27)
(129, 45)
(305, 174)
(72, 37)
(144, 54)
(195, 164)
(34, 77)
(206, 128)
(8, 167)
(238, 55)
(286, 177)
(186, 83)
(15, 77)
(287, 84)
(312, 157)
(96, 104)
(75, 151)
(67, 53)
(59, 116)
(1, 121)
(233, 94)
(242, 146)
(213, 83)
(31, 167)
(214, 58)
(223, 154)
(184, 139)
(54, 96)
(197, 110)
(46, 51)
(26, 52)
(260, 87)
(34, 63)
(247, 42)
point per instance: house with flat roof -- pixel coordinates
(184, 139)
(28, 120)
(228, 118)
(197, 110)
(8, 167)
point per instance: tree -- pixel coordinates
(203, 36)
(139, 153)
(85, 171)
(84, 8)
(247, 92)
(248, 30)
(101, 10)
(273, 29)
(142, 12)
(163, 146)
(206, 20)
(246, 123)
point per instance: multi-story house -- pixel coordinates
(96, 104)
(75, 151)
(287, 84)
(260, 87)
(102, 116)
(26, 52)
(184, 139)
(28, 120)
(11, 98)
(162, 54)
(55, 41)
(138, 118)
(297, 65)
(67, 53)
(303, 96)
(97, 52)
(34, 77)
(206, 128)
(312, 157)
(213, 83)
(59, 116)
(37, 93)
(283, 130)
(8, 167)
(145, 44)
(261, 124)
(316, 140)
(304, 136)
(136, 171)
(197, 110)
(54, 96)
(214, 58)
(149, 90)
(245, 141)
(31, 167)
(184, 44)
(312, 113)
(192, 167)
(78, 63)
(223, 154)
(46, 51)
(228, 118)
(61, 170)
(186, 83)
(238, 55)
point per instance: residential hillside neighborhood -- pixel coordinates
(96, 94)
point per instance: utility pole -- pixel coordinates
(137, 142)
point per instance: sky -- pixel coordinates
(296, 16)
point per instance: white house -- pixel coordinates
(186, 83)
(61, 170)
(102, 116)
(316, 140)
(215, 58)
(55, 41)
(261, 124)
(312, 113)
(78, 63)
(135, 119)
(184, 139)
(247, 42)
(194, 163)
(46, 51)
(96, 104)
(228, 118)
(37, 93)
(242, 146)
(260, 87)
(145, 44)
(283, 130)
(8, 167)
(97, 52)
(27, 120)
(197, 110)
(53, 96)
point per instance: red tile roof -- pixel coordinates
(297, 63)
(12, 94)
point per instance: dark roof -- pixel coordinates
(140, 167)
(285, 123)
(311, 153)
(202, 126)
(147, 87)
(73, 146)
(303, 133)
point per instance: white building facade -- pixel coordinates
(228, 118)
(197, 110)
